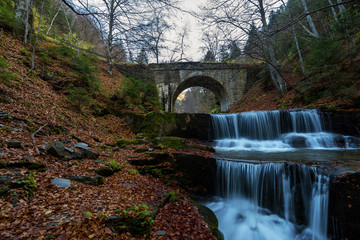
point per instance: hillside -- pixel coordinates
(331, 93)
(41, 107)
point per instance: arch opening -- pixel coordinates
(205, 82)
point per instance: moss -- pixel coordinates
(170, 142)
(91, 180)
(202, 147)
(105, 171)
(4, 99)
(126, 142)
(211, 219)
(2, 164)
(115, 166)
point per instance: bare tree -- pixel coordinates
(313, 31)
(235, 18)
(118, 20)
(23, 10)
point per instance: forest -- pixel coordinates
(89, 151)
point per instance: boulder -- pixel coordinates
(296, 141)
(14, 144)
(340, 141)
(211, 219)
(61, 182)
(91, 180)
(56, 148)
(105, 171)
(90, 154)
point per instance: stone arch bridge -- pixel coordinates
(228, 81)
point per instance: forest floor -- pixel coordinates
(46, 211)
(264, 96)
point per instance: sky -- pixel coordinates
(194, 42)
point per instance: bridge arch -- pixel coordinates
(206, 82)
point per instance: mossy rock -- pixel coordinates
(211, 219)
(2, 164)
(169, 142)
(138, 225)
(145, 136)
(202, 147)
(125, 142)
(160, 157)
(90, 180)
(105, 171)
(26, 164)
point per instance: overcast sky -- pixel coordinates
(194, 44)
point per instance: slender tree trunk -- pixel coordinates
(53, 19)
(272, 63)
(310, 21)
(110, 37)
(341, 6)
(295, 37)
(23, 12)
(36, 39)
(68, 24)
(333, 9)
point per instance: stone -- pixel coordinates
(13, 144)
(90, 154)
(296, 141)
(169, 142)
(105, 171)
(160, 233)
(90, 180)
(56, 148)
(61, 182)
(82, 145)
(340, 141)
(70, 150)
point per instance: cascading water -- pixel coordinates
(271, 201)
(259, 195)
(275, 131)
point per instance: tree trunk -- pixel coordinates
(53, 19)
(341, 6)
(295, 37)
(36, 39)
(77, 41)
(333, 9)
(23, 12)
(272, 63)
(310, 21)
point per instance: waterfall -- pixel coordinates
(271, 201)
(276, 131)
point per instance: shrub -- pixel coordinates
(79, 96)
(86, 72)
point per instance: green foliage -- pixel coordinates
(6, 78)
(136, 219)
(326, 53)
(135, 92)
(174, 196)
(115, 166)
(7, 16)
(62, 50)
(29, 184)
(86, 72)
(79, 96)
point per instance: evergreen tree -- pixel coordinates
(209, 57)
(142, 57)
(224, 54)
(235, 52)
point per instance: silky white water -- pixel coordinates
(262, 190)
